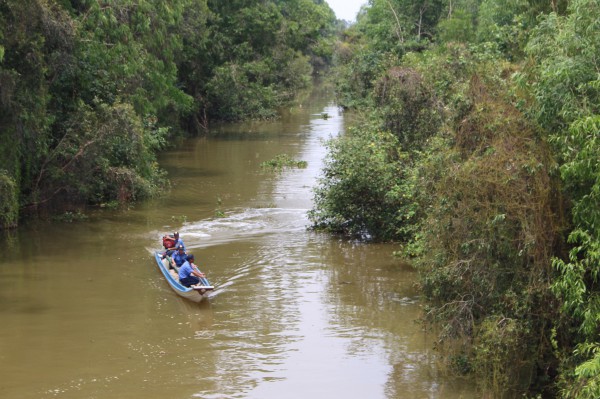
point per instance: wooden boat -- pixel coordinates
(195, 293)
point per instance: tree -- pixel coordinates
(579, 274)
(365, 190)
(37, 37)
(566, 92)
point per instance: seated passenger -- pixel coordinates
(178, 258)
(178, 241)
(169, 245)
(189, 273)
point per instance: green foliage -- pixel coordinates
(504, 24)
(408, 107)
(566, 94)
(501, 353)
(9, 202)
(577, 277)
(219, 212)
(309, 27)
(586, 373)
(129, 50)
(401, 25)
(477, 184)
(366, 190)
(489, 237)
(238, 92)
(381, 23)
(581, 171)
(438, 76)
(64, 70)
(577, 283)
(565, 49)
(70, 217)
(267, 51)
(102, 157)
(281, 162)
(386, 31)
(446, 72)
(458, 27)
(256, 89)
(355, 75)
(35, 35)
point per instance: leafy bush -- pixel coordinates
(408, 107)
(501, 353)
(365, 190)
(355, 77)
(240, 91)
(579, 274)
(103, 156)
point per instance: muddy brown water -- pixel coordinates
(85, 313)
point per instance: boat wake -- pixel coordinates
(242, 225)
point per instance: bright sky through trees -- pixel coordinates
(346, 9)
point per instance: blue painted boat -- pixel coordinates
(195, 293)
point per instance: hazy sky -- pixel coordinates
(346, 9)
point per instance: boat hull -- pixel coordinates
(196, 294)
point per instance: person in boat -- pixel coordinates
(178, 241)
(178, 258)
(171, 244)
(189, 273)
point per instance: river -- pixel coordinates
(85, 313)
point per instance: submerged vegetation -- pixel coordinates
(283, 161)
(476, 149)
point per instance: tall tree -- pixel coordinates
(566, 87)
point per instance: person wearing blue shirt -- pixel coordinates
(178, 257)
(178, 241)
(189, 273)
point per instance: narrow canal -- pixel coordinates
(85, 313)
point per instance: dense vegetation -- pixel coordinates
(478, 149)
(91, 90)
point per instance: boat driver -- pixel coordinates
(189, 273)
